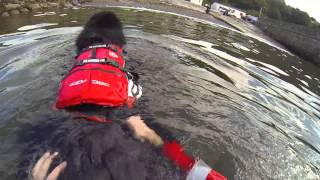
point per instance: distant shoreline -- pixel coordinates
(157, 5)
(186, 8)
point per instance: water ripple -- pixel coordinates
(240, 103)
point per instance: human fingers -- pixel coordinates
(154, 139)
(47, 162)
(36, 172)
(133, 122)
(139, 137)
(57, 171)
(134, 118)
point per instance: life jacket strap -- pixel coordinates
(105, 61)
(95, 118)
(108, 46)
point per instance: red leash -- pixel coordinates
(95, 118)
(98, 119)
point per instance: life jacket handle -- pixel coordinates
(105, 61)
(112, 47)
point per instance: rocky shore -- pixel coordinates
(15, 7)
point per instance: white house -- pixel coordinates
(231, 11)
(197, 2)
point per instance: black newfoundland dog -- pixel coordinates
(96, 151)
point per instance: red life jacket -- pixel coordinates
(96, 78)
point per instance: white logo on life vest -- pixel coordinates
(113, 54)
(75, 83)
(101, 83)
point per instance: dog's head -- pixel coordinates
(102, 28)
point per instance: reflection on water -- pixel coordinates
(249, 109)
(36, 26)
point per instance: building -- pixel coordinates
(197, 2)
(228, 10)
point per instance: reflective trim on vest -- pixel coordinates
(98, 61)
(94, 61)
(199, 171)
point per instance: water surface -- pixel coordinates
(248, 108)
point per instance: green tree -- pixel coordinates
(274, 13)
(273, 9)
(300, 17)
(260, 4)
(207, 2)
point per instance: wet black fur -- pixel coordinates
(94, 151)
(102, 28)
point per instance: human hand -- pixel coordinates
(40, 170)
(142, 132)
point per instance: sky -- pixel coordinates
(312, 7)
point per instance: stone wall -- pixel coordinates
(14, 7)
(302, 40)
